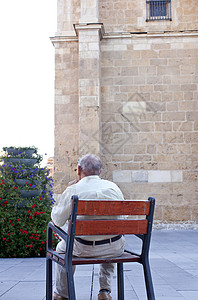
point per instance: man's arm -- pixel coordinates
(61, 210)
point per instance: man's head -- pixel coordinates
(88, 165)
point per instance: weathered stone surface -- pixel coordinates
(131, 96)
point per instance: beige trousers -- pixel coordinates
(106, 270)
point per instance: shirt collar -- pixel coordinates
(87, 178)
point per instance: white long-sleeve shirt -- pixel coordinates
(89, 188)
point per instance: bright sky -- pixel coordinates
(27, 74)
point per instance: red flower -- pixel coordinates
(29, 211)
(31, 246)
(34, 205)
(27, 246)
(31, 237)
(18, 220)
(44, 230)
(6, 202)
(30, 217)
(15, 187)
(30, 184)
(37, 238)
(4, 239)
(41, 198)
(40, 249)
(10, 221)
(42, 242)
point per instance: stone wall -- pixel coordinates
(128, 91)
(130, 16)
(68, 13)
(150, 120)
(66, 111)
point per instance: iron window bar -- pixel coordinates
(158, 10)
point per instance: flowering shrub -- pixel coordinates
(24, 219)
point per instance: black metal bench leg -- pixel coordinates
(148, 281)
(120, 278)
(70, 284)
(48, 279)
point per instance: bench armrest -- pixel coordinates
(50, 228)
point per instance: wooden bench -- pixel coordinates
(142, 228)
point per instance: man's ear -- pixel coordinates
(78, 170)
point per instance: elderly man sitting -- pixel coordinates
(89, 186)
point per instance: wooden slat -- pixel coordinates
(110, 227)
(126, 257)
(112, 208)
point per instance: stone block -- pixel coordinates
(190, 176)
(172, 116)
(142, 127)
(167, 53)
(172, 106)
(151, 149)
(134, 149)
(141, 157)
(163, 126)
(134, 107)
(194, 148)
(122, 176)
(147, 138)
(179, 213)
(159, 176)
(129, 71)
(148, 70)
(191, 137)
(188, 87)
(140, 176)
(130, 166)
(178, 96)
(129, 55)
(154, 80)
(176, 176)
(110, 72)
(158, 61)
(142, 46)
(89, 11)
(173, 137)
(88, 101)
(139, 80)
(182, 126)
(188, 105)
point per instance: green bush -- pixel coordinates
(24, 216)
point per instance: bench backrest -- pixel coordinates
(106, 208)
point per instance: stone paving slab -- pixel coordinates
(174, 266)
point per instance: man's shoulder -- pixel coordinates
(108, 182)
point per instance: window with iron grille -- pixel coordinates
(158, 10)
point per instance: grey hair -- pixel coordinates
(90, 164)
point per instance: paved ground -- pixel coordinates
(174, 265)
